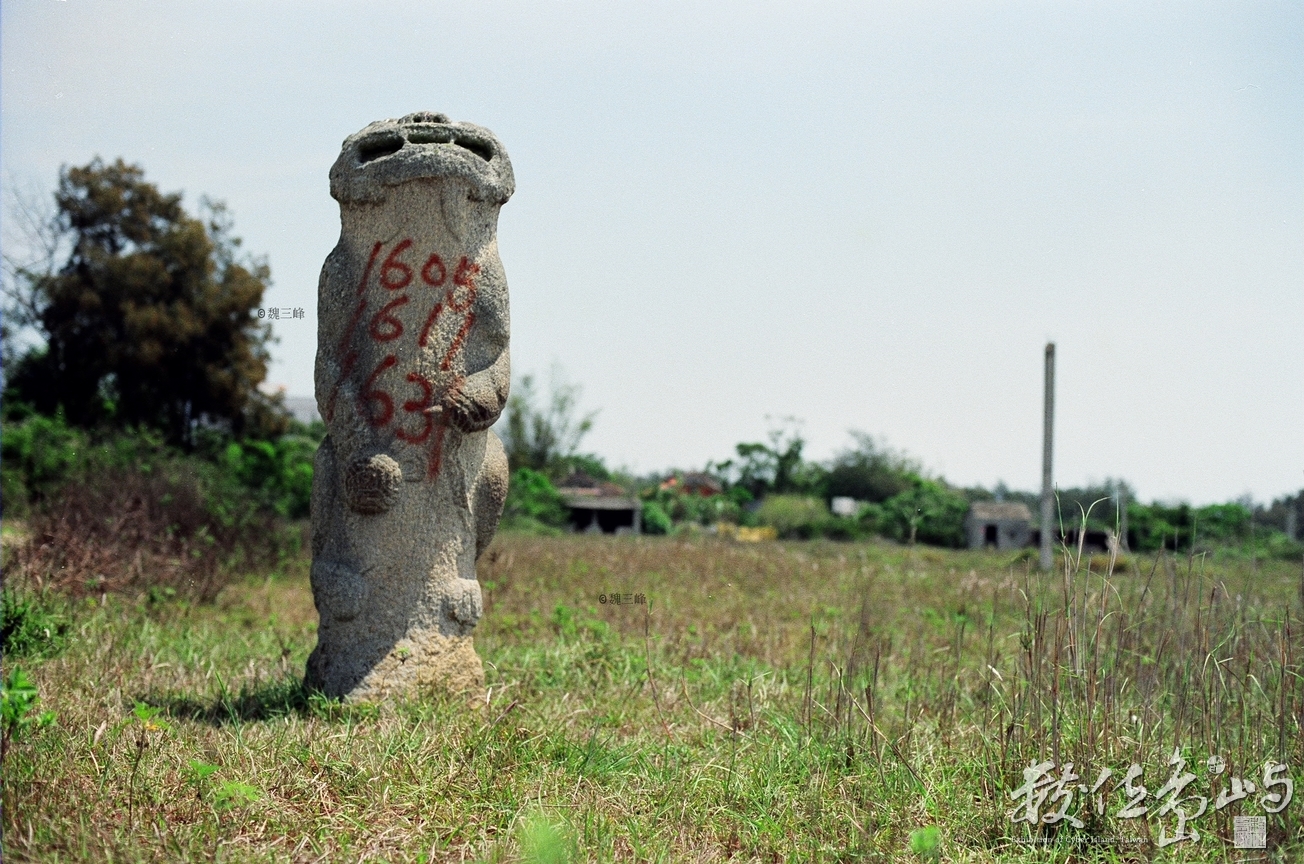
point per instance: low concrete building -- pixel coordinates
(998, 524)
(600, 507)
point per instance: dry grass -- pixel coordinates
(774, 702)
(131, 530)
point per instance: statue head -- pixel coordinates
(420, 146)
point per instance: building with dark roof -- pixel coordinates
(998, 524)
(596, 506)
(693, 483)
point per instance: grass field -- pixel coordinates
(770, 702)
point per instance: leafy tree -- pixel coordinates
(776, 467)
(546, 438)
(151, 319)
(754, 470)
(927, 512)
(1182, 527)
(1285, 514)
(868, 472)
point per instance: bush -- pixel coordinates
(39, 454)
(127, 530)
(692, 508)
(928, 512)
(655, 519)
(871, 519)
(1157, 526)
(279, 472)
(793, 516)
(133, 513)
(1275, 544)
(533, 502)
(31, 625)
(842, 528)
(42, 455)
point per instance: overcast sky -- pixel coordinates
(866, 216)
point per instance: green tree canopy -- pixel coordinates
(152, 320)
(546, 438)
(869, 472)
(929, 511)
(776, 467)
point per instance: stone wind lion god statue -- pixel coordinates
(412, 370)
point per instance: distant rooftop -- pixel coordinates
(694, 483)
(1000, 511)
(581, 485)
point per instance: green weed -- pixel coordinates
(543, 842)
(32, 625)
(18, 698)
(926, 842)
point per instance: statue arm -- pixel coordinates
(476, 402)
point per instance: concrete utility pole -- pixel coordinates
(1047, 488)
(1122, 517)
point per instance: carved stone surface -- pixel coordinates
(412, 370)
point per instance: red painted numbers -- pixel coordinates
(463, 278)
(394, 266)
(371, 395)
(458, 341)
(384, 326)
(430, 323)
(375, 404)
(371, 262)
(428, 275)
(419, 407)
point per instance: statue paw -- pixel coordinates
(372, 484)
(464, 604)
